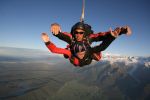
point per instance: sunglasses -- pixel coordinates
(78, 32)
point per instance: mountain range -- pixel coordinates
(36, 74)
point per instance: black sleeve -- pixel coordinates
(64, 37)
(47, 43)
(98, 36)
(105, 43)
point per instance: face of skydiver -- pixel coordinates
(80, 55)
(79, 33)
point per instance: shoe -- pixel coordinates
(96, 56)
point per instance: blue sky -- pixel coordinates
(22, 21)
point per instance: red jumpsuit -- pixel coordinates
(105, 37)
(57, 50)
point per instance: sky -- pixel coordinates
(23, 21)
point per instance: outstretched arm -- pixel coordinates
(103, 35)
(52, 46)
(101, 47)
(108, 38)
(98, 36)
(56, 30)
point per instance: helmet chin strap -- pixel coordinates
(82, 15)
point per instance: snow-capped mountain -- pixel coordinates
(128, 60)
(114, 77)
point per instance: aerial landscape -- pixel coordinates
(30, 76)
(112, 46)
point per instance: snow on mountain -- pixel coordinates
(128, 60)
(147, 64)
(6, 52)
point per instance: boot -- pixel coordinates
(96, 56)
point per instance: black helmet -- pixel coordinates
(78, 25)
(83, 26)
(88, 29)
